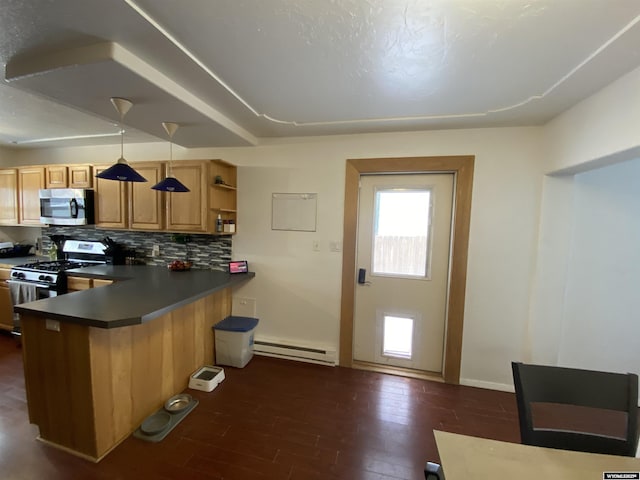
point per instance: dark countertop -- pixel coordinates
(140, 294)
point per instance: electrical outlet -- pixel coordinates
(316, 246)
(53, 325)
(243, 307)
(155, 252)
(181, 238)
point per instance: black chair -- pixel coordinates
(586, 404)
(433, 471)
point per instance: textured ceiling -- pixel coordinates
(234, 71)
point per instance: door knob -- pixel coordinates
(362, 277)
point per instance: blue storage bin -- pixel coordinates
(236, 324)
(234, 340)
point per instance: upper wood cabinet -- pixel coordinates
(146, 206)
(69, 176)
(80, 176)
(30, 181)
(188, 211)
(134, 205)
(110, 201)
(56, 176)
(8, 196)
(130, 205)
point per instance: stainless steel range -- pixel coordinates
(46, 279)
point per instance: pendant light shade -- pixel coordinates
(121, 171)
(170, 183)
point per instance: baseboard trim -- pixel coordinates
(504, 387)
(402, 372)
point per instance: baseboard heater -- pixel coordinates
(290, 351)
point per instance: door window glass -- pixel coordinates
(402, 221)
(397, 337)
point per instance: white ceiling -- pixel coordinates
(231, 72)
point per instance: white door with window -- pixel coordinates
(403, 249)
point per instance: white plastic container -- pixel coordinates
(234, 340)
(206, 378)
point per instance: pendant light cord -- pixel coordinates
(121, 139)
(171, 157)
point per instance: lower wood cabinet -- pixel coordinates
(99, 282)
(75, 284)
(6, 305)
(89, 388)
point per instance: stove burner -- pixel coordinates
(54, 266)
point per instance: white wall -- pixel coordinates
(601, 130)
(601, 324)
(583, 297)
(548, 292)
(584, 311)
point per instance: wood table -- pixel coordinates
(464, 457)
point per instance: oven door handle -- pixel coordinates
(35, 284)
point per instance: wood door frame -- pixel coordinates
(462, 168)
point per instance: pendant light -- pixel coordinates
(170, 183)
(121, 171)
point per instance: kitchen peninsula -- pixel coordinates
(97, 362)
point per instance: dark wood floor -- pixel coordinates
(273, 419)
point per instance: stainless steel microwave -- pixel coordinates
(66, 206)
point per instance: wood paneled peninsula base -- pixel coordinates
(88, 388)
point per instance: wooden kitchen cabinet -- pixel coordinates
(111, 206)
(188, 212)
(146, 206)
(101, 282)
(30, 181)
(69, 176)
(19, 199)
(131, 205)
(6, 305)
(8, 196)
(56, 176)
(80, 176)
(89, 388)
(135, 206)
(75, 284)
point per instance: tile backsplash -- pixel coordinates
(204, 251)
